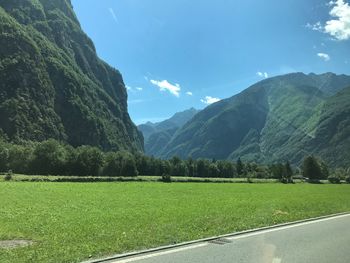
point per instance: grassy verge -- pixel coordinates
(71, 221)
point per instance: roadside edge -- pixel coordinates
(208, 239)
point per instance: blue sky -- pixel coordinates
(179, 54)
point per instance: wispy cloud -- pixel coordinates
(262, 74)
(316, 27)
(131, 89)
(164, 85)
(339, 27)
(114, 16)
(189, 93)
(209, 100)
(324, 56)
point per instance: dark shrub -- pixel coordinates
(166, 178)
(312, 169)
(8, 176)
(334, 179)
(347, 179)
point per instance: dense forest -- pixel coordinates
(52, 158)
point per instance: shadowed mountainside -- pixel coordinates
(157, 135)
(53, 85)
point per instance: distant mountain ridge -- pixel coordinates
(277, 119)
(53, 85)
(157, 135)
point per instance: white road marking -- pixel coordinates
(275, 260)
(285, 227)
(160, 253)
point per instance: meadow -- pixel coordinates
(70, 222)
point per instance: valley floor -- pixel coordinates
(70, 222)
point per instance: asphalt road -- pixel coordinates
(322, 241)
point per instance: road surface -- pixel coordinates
(322, 241)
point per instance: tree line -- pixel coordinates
(53, 158)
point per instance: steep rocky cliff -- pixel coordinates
(53, 85)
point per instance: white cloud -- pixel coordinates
(209, 100)
(324, 56)
(339, 27)
(262, 74)
(165, 85)
(189, 93)
(114, 16)
(316, 27)
(128, 88)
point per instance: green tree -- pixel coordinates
(312, 169)
(89, 161)
(20, 158)
(129, 166)
(143, 164)
(191, 167)
(213, 170)
(324, 169)
(277, 171)
(288, 172)
(179, 169)
(112, 165)
(203, 168)
(226, 169)
(164, 167)
(262, 172)
(49, 157)
(175, 161)
(4, 157)
(71, 167)
(239, 167)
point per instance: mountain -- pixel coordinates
(331, 138)
(277, 119)
(53, 85)
(157, 135)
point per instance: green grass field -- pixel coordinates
(71, 221)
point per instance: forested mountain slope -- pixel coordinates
(157, 135)
(277, 119)
(53, 85)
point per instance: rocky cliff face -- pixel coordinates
(53, 85)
